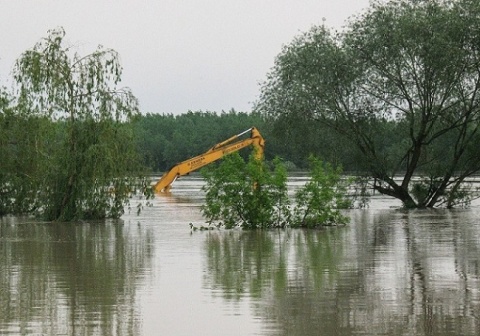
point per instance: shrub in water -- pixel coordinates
(251, 195)
(319, 201)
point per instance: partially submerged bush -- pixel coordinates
(251, 195)
(246, 194)
(319, 201)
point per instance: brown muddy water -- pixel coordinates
(389, 272)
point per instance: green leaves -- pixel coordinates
(62, 84)
(82, 161)
(242, 194)
(252, 196)
(403, 70)
(319, 201)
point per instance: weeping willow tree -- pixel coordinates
(86, 162)
(22, 140)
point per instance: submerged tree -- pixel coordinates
(253, 195)
(320, 200)
(246, 194)
(5, 153)
(406, 73)
(91, 166)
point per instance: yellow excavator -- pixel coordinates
(213, 154)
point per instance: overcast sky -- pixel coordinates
(177, 55)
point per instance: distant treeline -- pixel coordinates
(165, 139)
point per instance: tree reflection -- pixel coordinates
(242, 262)
(390, 272)
(71, 279)
(259, 263)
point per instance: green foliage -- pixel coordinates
(165, 140)
(23, 152)
(243, 194)
(249, 195)
(400, 83)
(69, 147)
(319, 201)
(98, 179)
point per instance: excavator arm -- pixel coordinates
(215, 153)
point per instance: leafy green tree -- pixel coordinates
(23, 150)
(318, 202)
(248, 195)
(401, 82)
(92, 167)
(5, 162)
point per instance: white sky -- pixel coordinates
(177, 55)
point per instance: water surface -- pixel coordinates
(389, 272)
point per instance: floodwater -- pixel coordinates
(389, 272)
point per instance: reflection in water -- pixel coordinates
(245, 263)
(390, 272)
(70, 279)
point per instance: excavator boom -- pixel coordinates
(215, 153)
